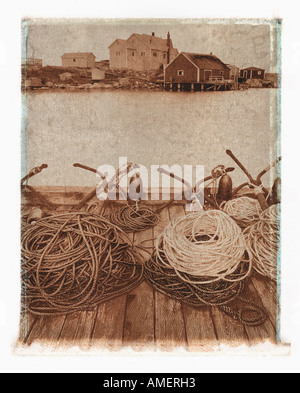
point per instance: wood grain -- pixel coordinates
(144, 317)
(200, 330)
(169, 321)
(46, 330)
(139, 331)
(109, 324)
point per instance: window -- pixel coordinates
(74, 60)
(132, 54)
(154, 54)
(180, 73)
(118, 53)
(143, 53)
(221, 72)
(164, 55)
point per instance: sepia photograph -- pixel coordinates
(149, 190)
(151, 183)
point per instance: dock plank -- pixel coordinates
(109, 324)
(109, 321)
(170, 329)
(139, 331)
(228, 331)
(267, 292)
(46, 330)
(200, 330)
(264, 332)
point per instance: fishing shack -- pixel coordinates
(195, 71)
(79, 59)
(252, 73)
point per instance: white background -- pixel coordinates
(10, 110)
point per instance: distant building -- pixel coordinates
(252, 73)
(141, 52)
(195, 67)
(234, 72)
(79, 59)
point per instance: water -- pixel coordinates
(149, 127)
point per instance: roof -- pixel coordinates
(253, 69)
(206, 61)
(153, 42)
(120, 40)
(77, 54)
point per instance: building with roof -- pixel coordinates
(79, 59)
(196, 68)
(252, 73)
(234, 72)
(141, 52)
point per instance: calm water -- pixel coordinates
(97, 128)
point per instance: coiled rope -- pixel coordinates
(134, 218)
(202, 259)
(75, 261)
(244, 210)
(262, 240)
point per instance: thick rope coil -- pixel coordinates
(244, 210)
(204, 244)
(262, 240)
(75, 261)
(202, 259)
(134, 218)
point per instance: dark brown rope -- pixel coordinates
(133, 218)
(75, 261)
(165, 279)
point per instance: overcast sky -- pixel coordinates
(242, 43)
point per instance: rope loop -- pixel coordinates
(75, 261)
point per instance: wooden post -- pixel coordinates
(178, 86)
(192, 87)
(171, 86)
(215, 87)
(202, 86)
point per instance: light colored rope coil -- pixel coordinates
(262, 240)
(207, 245)
(244, 210)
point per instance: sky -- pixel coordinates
(243, 43)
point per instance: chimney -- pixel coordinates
(153, 34)
(169, 47)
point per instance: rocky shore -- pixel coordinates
(53, 77)
(76, 79)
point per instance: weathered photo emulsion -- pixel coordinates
(150, 186)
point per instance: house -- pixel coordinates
(252, 73)
(234, 72)
(195, 67)
(141, 52)
(79, 59)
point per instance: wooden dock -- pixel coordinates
(144, 318)
(217, 85)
